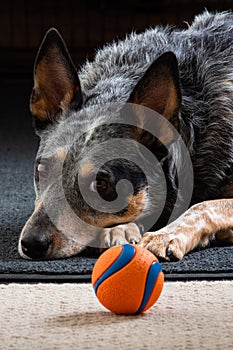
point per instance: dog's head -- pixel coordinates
(77, 193)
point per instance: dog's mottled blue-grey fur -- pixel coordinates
(204, 52)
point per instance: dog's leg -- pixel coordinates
(197, 226)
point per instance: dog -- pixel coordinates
(186, 76)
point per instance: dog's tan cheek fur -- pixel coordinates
(135, 207)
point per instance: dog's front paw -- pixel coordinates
(121, 234)
(165, 246)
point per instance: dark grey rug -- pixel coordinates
(18, 146)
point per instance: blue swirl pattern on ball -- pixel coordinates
(124, 258)
(152, 276)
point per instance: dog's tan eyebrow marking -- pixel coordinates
(61, 154)
(86, 169)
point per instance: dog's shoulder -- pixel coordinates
(123, 62)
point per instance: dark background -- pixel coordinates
(85, 26)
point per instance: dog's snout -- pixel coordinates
(35, 245)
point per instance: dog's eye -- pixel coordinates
(43, 170)
(99, 185)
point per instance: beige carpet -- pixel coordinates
(192, 315)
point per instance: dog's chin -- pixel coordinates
(66, 252)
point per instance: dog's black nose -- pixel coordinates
(35, 246)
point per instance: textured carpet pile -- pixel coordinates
(191, 315)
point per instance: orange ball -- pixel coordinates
(127, 279)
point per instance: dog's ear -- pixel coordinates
(159, 89)
(56, 83)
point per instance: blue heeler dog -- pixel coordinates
(185, 76)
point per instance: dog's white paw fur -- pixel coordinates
(121, 234)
